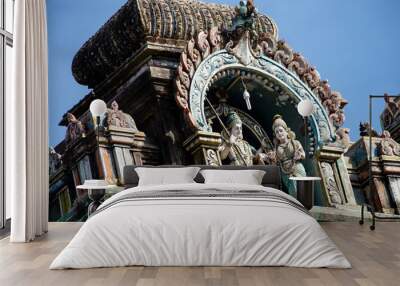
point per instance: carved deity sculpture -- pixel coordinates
(116, 117)
(343, 138)
(234, 147)
(54, 161)
(388, 146)
(75, 129)
(288, 153)
(245, 14)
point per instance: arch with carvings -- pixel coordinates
(288, 73)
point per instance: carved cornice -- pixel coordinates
(142, 21)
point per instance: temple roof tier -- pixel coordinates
(141, 21)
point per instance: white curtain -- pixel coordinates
(26, 124)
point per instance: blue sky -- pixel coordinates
(354, 44)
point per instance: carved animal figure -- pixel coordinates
(365, 130)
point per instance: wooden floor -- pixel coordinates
(375, 257)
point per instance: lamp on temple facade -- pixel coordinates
(97, 108)
(305, 108)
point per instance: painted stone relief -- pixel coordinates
(117, 118)
(288, 153)
(333, 191)
(387, 146)
(75, 129)
(234, 148)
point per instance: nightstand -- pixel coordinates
(97, 190)
(305, 190)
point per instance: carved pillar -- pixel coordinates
(126, 146)
(204, 148)
(391, 169)
(335, 178)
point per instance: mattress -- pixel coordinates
(201, 225)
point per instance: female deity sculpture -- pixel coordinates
(234, 147)
(288, 153)
(75, 129)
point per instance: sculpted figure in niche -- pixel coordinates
(115, 117)
(234, 147)
(288, 153)
(54, 161)
(75, 129)
(388, 146)
(343, 138)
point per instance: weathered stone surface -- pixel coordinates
(142, 21)
(384, 192)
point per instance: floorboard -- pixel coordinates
(375, 257)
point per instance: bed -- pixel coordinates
(201, 224)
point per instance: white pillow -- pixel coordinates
(247, 177)
(163, 176)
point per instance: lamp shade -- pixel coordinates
(98, 107)
(305, 107)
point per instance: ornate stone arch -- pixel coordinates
(214, 51)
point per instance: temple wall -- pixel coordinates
(384, 193)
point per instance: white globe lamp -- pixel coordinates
(97, 108)
(305, 108)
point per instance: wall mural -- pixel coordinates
(206, 84)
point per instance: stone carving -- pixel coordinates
(267, 45)
(388, 146)
(298, 65)
(343, 137)
(54, 161)
(391, 111)
(115, 117)
(288, 153)
(365, 130)
(75, 129)
(283, 54)
(249, 50)
(141, 21)
(213, 68)
(330, 183)
(245, 15)
(195, 52)
(223, 109)
(312, 78)
(234, 148)
(212, 158)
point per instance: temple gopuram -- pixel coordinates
(188, 82)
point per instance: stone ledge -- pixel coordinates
(338, 214)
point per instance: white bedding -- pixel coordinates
(203, 231)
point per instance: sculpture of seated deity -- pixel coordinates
(116, 117)
(288, 153)
(388, 146)
(234, 148)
